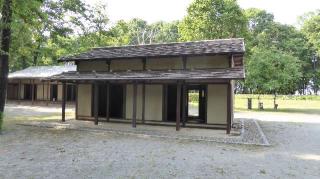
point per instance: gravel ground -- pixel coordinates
(29, 152)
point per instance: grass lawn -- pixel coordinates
(291, 104)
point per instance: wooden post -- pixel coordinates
(96, 102)
(134, 110)
(43, 91)
(63, 101)
(229, 91)
(32, 91)
(76, 101)
(184, 105)
(178, 106)
(19, 91)
(48, 96)
(108, 103)
(165, 102)
(143, 102)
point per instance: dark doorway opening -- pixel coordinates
(116, 103)
(54, 92)
(13, 91)
(71, 93)
(27, 92)
(196, 107)
(102, 103)
(172, 102)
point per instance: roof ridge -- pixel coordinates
(168, 43)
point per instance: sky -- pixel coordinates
(285, 11)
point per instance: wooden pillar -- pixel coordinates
(229, 105)
(43, 91)
(76, 101)
(178, 106)
(19, 91)
(108, 102)
(165, 102)
(63, 101)
(184, 105)
(134, 110)
(48, 96)
(143, 102)
(96, 102)
(32, 91)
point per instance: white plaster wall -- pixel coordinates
(129, 101)
(153, 110)
(84, 99)
(217, 104)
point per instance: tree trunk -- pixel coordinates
(5, 45)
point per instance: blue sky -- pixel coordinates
(285, 11)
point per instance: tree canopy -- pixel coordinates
(44, 30)
(213, 19)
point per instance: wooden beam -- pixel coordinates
(178, 106)
(76, 110)
(165, 102)
(63, 102)
(229, 91)
(48, 96)
(19, 91)
(108, 102)
(134, 110)
(43, 90)
(143, 102)
(32, 91)
(184, 104)
(96, 102)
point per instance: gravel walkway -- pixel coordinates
(250, 134)
(36, 152)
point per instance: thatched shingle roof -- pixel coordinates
(230, 73)
(38, 72)
(221, 46)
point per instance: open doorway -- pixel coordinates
(53, 92)
(196, 96)
(116, 101)
(195, 103)
(171, 102)
(71, 93)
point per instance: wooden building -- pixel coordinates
(150, 84)
(27, 85)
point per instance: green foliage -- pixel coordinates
(311, 28)
(213, 19)
(43, 31)
(272, 71)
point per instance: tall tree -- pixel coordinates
(5, 45)
(213, 19)
(272, 71)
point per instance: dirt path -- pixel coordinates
(28, 152)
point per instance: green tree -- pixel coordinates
(213, 19)
(311, 28)
(6, 20)
(272, 71)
